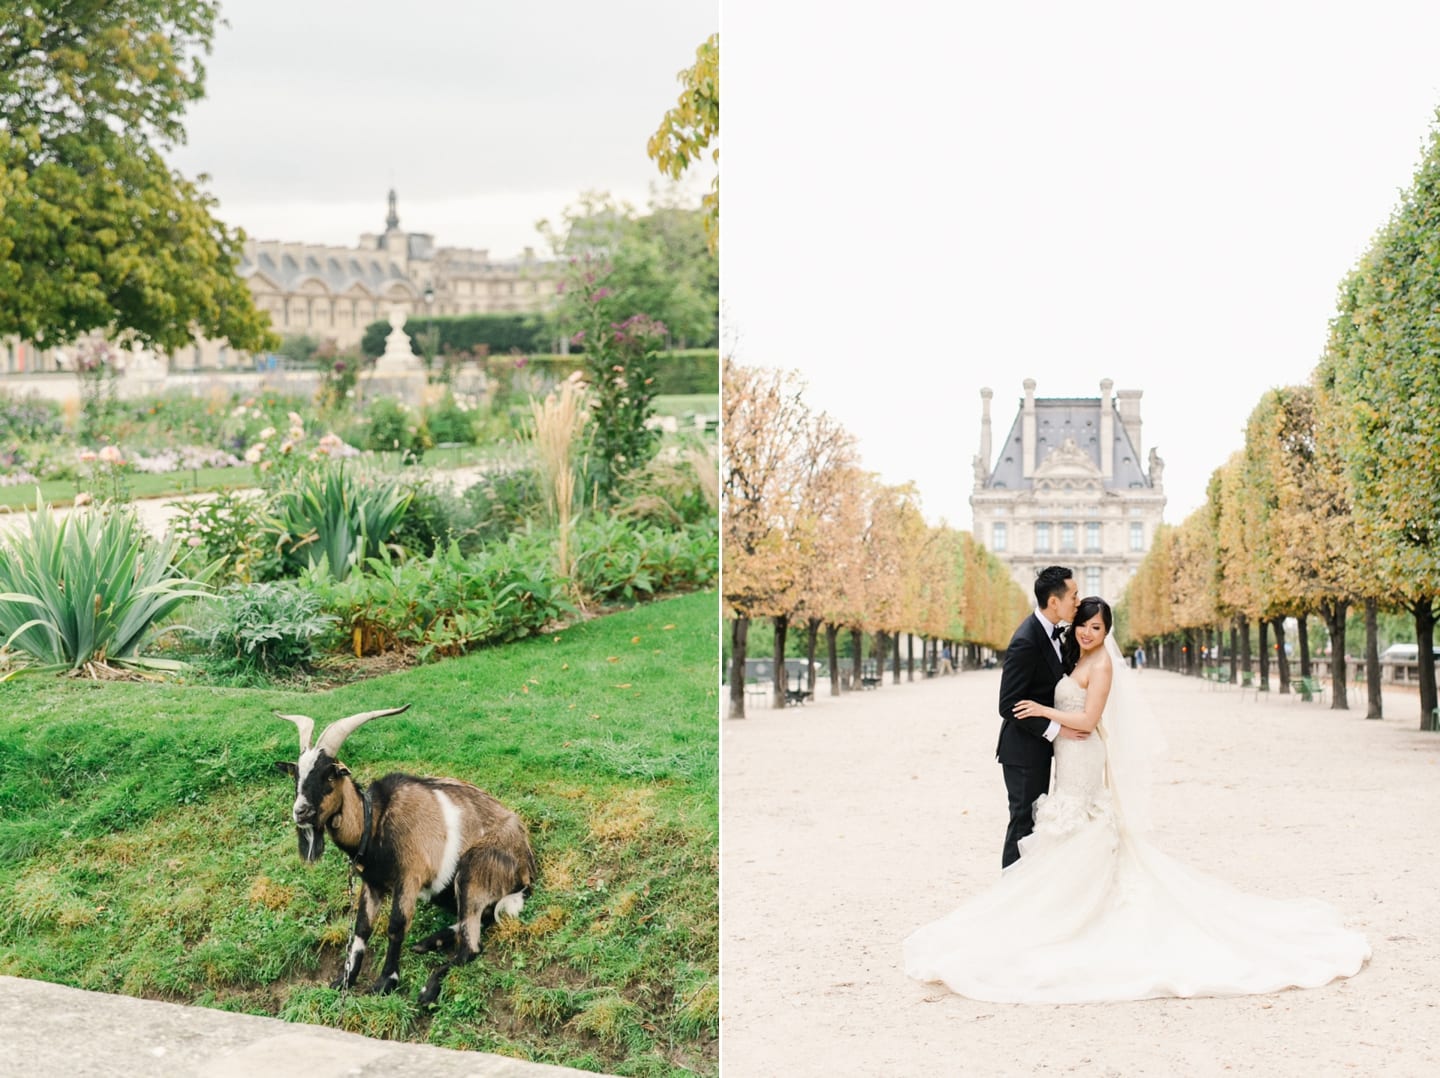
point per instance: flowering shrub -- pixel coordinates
(234, 530)
(450, 421)
(621, 355)
(183, 458)
(391, 425)
(279, 460)
(104, 475)
(28, 420)
(14, 468)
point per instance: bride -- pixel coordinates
(1091, 911)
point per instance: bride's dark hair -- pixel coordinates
(1087, 608)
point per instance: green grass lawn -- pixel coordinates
(690, 404)
(146, 846)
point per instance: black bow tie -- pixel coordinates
(1057, 632)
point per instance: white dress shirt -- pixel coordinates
(1049, 626)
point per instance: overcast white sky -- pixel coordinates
(924, 199)
(484, 116)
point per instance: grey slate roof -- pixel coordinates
(338, 275)
(1058, 418)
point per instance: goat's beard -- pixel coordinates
(312, 842)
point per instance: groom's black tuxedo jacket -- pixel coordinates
(1031, 672)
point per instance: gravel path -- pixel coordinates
(848, 822)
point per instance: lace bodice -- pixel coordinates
(1079, 765)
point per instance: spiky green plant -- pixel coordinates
(87, 589)
(337, 517)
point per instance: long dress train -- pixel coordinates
(1093, 912)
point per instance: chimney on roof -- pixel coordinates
(985, 396)
(1107, 430)
(1027, 431)
(1129, 408)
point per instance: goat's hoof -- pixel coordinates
(385, 985)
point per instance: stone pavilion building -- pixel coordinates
(1068, 486)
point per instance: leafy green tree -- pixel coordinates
(689, 129)
(655, 264)
(1388, 376)
(96, 230)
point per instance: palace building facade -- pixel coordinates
(1067, 486)
(324, 292)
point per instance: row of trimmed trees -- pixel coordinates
(1334, 502)
(811, 539)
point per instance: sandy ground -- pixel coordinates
(848, 822)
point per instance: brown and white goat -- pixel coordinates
(434, 838)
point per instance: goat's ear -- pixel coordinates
(341, 771)
(287, 767)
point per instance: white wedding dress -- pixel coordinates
(1092, 912)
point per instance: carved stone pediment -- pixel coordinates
(1067, 461)
(1067, 467)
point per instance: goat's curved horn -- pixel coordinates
(336, 733)
(306, 725)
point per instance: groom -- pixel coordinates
(1033, 667)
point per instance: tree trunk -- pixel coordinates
(1244, 624)
(1374, 707)
(910, 656)
(1334, 614)
(1280, 657)
(857, 669)
(895, 659)
(738, 634)
(1234, 656)
(1425, 638)
(1264, 654)
(1303, 629)
(1191, 652)
(880, 655)
(814, 627)
(832, 648)
(778, 682)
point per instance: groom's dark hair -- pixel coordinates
(1050, 581)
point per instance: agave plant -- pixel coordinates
(87, 589)
(336, 517)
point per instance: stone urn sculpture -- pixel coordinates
(399, 357)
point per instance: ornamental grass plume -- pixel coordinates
(557, 429)
(707, 473)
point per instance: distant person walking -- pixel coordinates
(1139, 660)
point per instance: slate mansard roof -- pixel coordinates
(338, 274)
(1059, 418)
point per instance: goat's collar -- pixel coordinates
(359, 855)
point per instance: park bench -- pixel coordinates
(1309, 688)
(869, 682)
